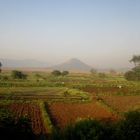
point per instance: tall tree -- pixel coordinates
(0, 67)
(136, 60)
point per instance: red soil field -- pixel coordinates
(33, 112)
(65, 113)
(122, 103)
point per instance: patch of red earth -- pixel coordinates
(33, 112)
(122, 103)
(65, 113)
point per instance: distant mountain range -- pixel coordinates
(23, 63)
(70, 65)
(73, 65)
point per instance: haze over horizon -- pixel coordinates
(102, 33)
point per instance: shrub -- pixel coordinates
(9, 129)
(56, 73)
(18, 75)
(89, 129)
(82, 130)
(64, 73)
(102, 75)
(129, 128)
(130, 75)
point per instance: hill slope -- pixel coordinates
(74, 65)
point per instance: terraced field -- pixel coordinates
(66, 99)
(65, 113)
(122, 103)
(31, 111)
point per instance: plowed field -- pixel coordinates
(65, 113)
(122, 103)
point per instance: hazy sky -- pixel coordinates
(102, 33)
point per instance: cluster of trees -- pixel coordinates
(59, 73)
(125, 129)
(134, 74)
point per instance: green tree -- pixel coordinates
(0, 67)
(64, 73)
(56, 73)
(130, 75)
(136, 60)
(134, 74)
(93, 71)
(18, 75)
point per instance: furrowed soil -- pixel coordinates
(65, 113)
(30, 110)
(122, 103)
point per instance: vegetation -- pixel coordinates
(11, 129)
(18, 75)
(52, 102)
(64, 73)
(90, 129)
(134, 74)
(136, 60)
(93, 71)
(56, 73)
(0, 67)
(59, 73)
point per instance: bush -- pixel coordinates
(130, 75)
(102, 75)
(18, 75)
(129, 128)
(83, 130)
(56, 73)
(9, 129)
(64, 73)
(89, 129)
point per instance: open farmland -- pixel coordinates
(30, 110)
(51, 101)
(122, 103)
(65, 113)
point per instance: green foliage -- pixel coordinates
(4, 77)
(93, 71)
(64, 73)
(45, 116)
(129, 128)
(0, 67)
(83, 130)
(59, 73)
(102, 75)
(56, 73)
(18, 75)
(136, 60)
(11, 129)
(89, 129)
(133, 75)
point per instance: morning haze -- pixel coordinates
(102, 33)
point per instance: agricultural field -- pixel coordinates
(62, 114)
(56, 101)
